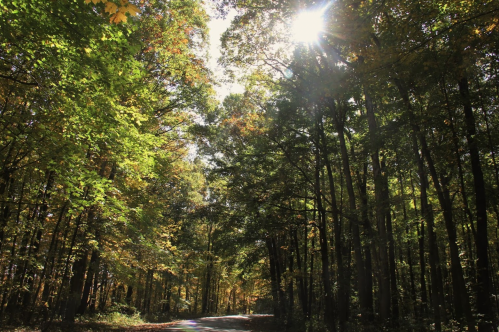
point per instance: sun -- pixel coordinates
(307, 26)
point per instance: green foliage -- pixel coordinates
(93, 146)
(354, 163)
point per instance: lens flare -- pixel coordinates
(307, 26)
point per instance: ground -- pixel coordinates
(242, 323)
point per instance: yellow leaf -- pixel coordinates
(491, 27)
(111, 8)
(118, 17)
(87, 1)
(133, 10)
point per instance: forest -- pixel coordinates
(352, 186)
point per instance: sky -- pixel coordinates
(217, 27)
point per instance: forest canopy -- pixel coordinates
(353, 186)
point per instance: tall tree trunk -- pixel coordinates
(206, 290)
(343, 298)
(31, 270)
(369, 246)
(150, 275)
(391, 253)
(279, 268)
(380, 194)
(311, 277)
(92, 271)
(464, 195)
(484, 305)
(329, 314)
(273, 278)
(409, 246)
(461, 303)
(129, 293)
(302, 295)
(363, 287)
(290, 288)
(76, 287)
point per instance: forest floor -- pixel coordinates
(246, 323)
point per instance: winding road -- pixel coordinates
(213, 324)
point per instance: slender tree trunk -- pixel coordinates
(104, 291)
(76, 287)
(363, 287)
(311, 277)
(92, 271)
(484, 305)
(343, 298)
(302, 296)
(129, 293)
(168, 307)
(381, 213)
(31, 271)
(329, 314)
(369, 246)
(273, 278)
(391, 254)
(279, 268)
(461, 303)
(464, 195)
(408, 232)
(207, 284)
(290, 289)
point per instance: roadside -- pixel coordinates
(263, 323)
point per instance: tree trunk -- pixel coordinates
(302, 296)
(206, 291)
(363, 287)
(381, 212)
(76, 287)
(343, 298)
(273, 278)
(461, 302)
(92, 272)
(484, 305)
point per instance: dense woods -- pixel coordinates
(353, 186)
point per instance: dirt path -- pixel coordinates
(214, 324)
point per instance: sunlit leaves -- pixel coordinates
(111, 8)
(117, 12)
(102, 107)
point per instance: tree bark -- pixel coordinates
(273, 278)
(343, 298)
(461, 303)
(91, 273)
(76, 287)
(363, 287)
(484, 305)
(329, 314)
(380, 194)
